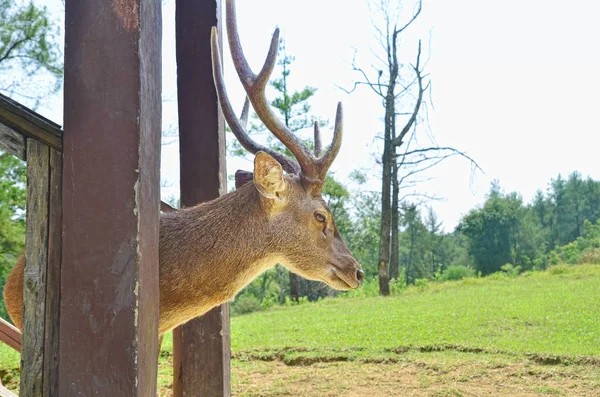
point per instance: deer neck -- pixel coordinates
(210, 252)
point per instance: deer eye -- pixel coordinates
(320, 217)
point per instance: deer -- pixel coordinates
(211, 251)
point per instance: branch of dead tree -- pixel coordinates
(400, 138)
(367, 81)
(414, 17)
(424, 196)
(453, 152)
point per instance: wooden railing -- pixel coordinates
(17, 123)
(10, 335)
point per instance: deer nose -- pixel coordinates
(360, 275)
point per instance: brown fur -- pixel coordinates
(13, 293)
(210, 252)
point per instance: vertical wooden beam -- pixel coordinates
(201, 347)
(52, 326)
(36, 263)
(41, 292)
(111, 149)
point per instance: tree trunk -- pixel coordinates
(280, 275)
(294, 286)
(395, 252)
(386, 182)
(410, 256)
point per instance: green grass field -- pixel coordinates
(538, 313)
(536, 334)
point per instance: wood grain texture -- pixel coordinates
(12, 142)
(201, 347)
(111, 148)
(36, 259)
(10, 335)
(52, 323)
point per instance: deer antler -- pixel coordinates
(312, 167)
(238, 127)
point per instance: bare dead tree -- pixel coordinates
(400, 86)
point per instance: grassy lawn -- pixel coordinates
(537, 334)
(537, 313)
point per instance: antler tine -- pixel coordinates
(317, 139)
(239, 127)
(242, 67)
(255, 89)
(245, 111)
(324, 162)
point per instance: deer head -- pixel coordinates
(308, 240)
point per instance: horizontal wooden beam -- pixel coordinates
(10, 335)
(13, 139)
(28, 123)
(4, 392)
(12, 142)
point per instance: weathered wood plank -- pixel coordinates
(12, 142)
(111, 149)
(52, 325)
(29, 123)
(36, 259)
(10, 335)
(4, 392)
(201, 347)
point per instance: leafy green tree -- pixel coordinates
(585, 249)
(454, 251)
(363, 237)
(491, 231)
(28, 48)
(545, 211)
(415, 244)
(506, 231)
(531, 241)
(434, 240)
(569, 203)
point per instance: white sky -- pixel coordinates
(515, 84)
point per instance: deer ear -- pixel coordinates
(268, 175)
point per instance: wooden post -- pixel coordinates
(111, 149)
(36, 262)
(201, 347)
(41, 292)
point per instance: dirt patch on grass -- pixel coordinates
(429, 372)
(418, 378)
(546, 359)
(307, 356)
